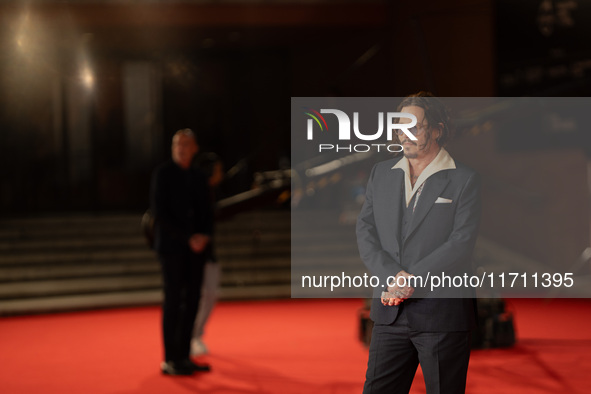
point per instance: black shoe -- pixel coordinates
(187, 363)
(176, 368)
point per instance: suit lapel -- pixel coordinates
(396, 188)
(432, 189)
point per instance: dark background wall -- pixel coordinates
(92, 92)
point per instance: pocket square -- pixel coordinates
(441, 200)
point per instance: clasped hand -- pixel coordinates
(198, 242)
(397, 294)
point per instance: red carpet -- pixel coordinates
(297, 346)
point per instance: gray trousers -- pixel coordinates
(209, 296)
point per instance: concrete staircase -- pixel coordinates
(81, 262)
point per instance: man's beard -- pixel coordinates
(414, 154)
(411, 155)
(422, 147)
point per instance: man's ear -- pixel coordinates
(437, 131)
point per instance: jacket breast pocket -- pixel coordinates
(443, 207)
(440, 217)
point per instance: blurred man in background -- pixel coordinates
(182, 207)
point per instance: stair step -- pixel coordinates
(128, 299)
(109, 268)
(76, 257)
(58, 257)
(47, 271)
(125, 239)
(86, 226)
(85, 285)
(78, 286)
(69, 244)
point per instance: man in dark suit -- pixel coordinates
(420, 219)
(183, 225)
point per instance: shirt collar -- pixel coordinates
(443, 161)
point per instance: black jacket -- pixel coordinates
(182, 206)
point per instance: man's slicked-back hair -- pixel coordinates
(436, 113)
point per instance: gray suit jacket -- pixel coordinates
(440, 240)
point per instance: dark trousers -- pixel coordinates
(396, 351)
(182, 276)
